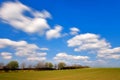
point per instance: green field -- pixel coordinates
(78, 74)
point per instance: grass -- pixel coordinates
(78, 74)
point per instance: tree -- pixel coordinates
(48, 65)
(1, 65)
(23, 65)
(30, 66)
(61, 65)
(40, 65)
(55, 66)
(13, 65)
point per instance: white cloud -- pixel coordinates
(42, 54)
(43, 14)
(74, 31)
(6, 55)
(23, 49)
(87, 41)
(97, 63)
(70, 58)
(37, 57)
(94, 44)
(13, 13)
(44, 49)
(54, 33)
(113, 53)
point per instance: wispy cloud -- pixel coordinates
(6, 55)
(74, 31)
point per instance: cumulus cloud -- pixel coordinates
(94, 44)
(23, 49)
(87, 41)
(13, 13)
(70, 58)
(74, 31)
(54, 33)
(113, 53)
(6, 55)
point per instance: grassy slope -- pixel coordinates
(79, 74)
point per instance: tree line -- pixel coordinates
(14, 66)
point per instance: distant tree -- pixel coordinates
(1, 65)
(48, 65)
(6, 69)
(23, 65)
(77, 66)
(61, 65)
(13, 65)
(40, 65)
(30, 66)
(55, 66)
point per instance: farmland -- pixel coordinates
(76, 74)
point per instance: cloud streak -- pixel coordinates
(6, 55)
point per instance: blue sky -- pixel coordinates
(74, 31)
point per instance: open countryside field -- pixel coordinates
(78, 74)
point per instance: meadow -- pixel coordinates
(76, 74)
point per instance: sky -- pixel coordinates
(84, 32)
